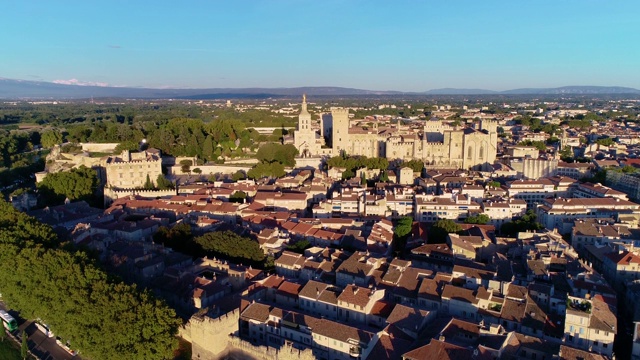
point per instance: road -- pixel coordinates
(42, 346)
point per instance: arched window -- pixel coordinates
(470, 152)
(481, 153)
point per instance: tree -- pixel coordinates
(148, 184)
(384, 177)
(50, 138)
(480, 219)
(271, 170)
(163, 183)
(493, 184)
(76, 184)
(299, 246)
(605, 142)
(238, 197)
(42, 279)
(238, 175)
(415, 165)
(441, 228)
(527, 222)
(403, 227)
(540, 145)
(24, 347)
(283, 154)
(185, 166)
(232, 246)
(208, 149)
(3, 334)
(197, 171)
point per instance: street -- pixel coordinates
(40, 345)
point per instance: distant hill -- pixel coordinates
(24, 89)
(575, 90)
(16, 89)
(454, 91)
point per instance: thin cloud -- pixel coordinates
(80, 83)
(115, 46)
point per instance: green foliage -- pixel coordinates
(599, 177)
(50, 138)
(358, 162)
(552, 140)
(566, 154)
(238, 175)
(384, 177)
(605, 142)
(283, 154)
(299, 246)
(229, 245)
(179, 238)
(403, 227)
(528, 222)
(148, 184)
(8, 351)
(540, 145)
(493, 184)
(271, 170)
(77, 184)
(102, 318)
(441, 228)
(24, 346)
(238, 197)
(415, 165)
(185, 166)
(163, 183)
(480, 219)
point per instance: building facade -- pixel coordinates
(436, 142)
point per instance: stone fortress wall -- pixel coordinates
(214, 338)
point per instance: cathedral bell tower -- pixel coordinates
(305, 137)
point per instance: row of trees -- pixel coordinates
(353, 163)
(103, 318)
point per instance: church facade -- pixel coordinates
(435, 142)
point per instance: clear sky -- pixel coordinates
(377, 45)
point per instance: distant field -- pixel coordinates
(8, 351)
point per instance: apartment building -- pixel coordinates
(533, 192)
(430, 208)
(590, 325)
(562, 213)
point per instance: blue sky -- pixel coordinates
(378, 45)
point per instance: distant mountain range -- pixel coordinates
(24, 89)
(569, 90)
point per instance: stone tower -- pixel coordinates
(305, 136)
(340, 135)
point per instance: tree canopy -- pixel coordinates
(480, 219)
(101, 317)
(441, 228)
(527, 222)
(232, 246)
(77, 184)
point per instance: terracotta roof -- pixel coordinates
(439, 350)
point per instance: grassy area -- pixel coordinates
(9, 350)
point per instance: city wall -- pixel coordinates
(209, 169)
(213, 338)
(111, 194)
(98, 147)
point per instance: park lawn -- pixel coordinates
(9, 351)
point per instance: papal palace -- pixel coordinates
(437, 143)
